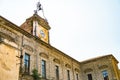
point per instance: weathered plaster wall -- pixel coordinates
(9, 67)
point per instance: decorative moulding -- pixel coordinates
(77, 70)
(56, 60)
(102, 66)
(67, 65)
(44, 55)
(28, 47)
(88, 70)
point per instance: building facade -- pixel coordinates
(25, 48)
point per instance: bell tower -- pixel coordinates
(37, 25)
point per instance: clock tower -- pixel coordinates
(38, 27)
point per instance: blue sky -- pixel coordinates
(82, 29)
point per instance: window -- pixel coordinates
(57, 72)
(43, 68)
(68, 75)
(105, 75)
(77, 77)
(27, 62)
(89, 76)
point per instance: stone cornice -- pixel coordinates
(13, 26)
(110, 56)
(40, 20)
(9, 43)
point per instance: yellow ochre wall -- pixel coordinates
(9, 67)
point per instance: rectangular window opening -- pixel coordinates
(68, 75)
(105, 75)
(57, 72)
(43, 69)
(77, 77)
(27, 63)
(89, 76)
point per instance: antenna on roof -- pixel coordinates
(38, 8)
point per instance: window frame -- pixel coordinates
(89, 76)
(68, 74)
(105, 75)
(26, 63)
(77, 76)
(43, 68)
(57, 72)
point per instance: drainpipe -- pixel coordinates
(21, 57)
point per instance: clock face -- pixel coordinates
(42, 33)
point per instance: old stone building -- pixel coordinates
(25, 48)
(100, 67)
